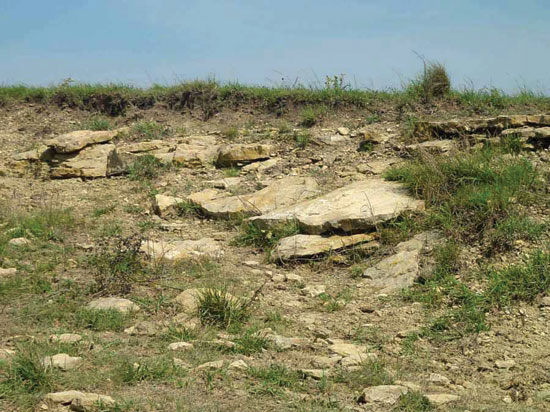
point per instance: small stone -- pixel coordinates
(347, 349)
(80, 400)
(325, 362)
(545, 301)
(314, 290)
(284, 343)
(505, 364)
(294, 278)
(210, 366)
(180, 346)
(6, 353)
(166, 206)
(251, 263)
(19, 241)
(344, 131)
(8, 272)
(442, 398)
(61, 361)
(317, 374)
(181, 364)
(438, 379)
(119, 304)
(386, 394)
(357, 359)
(238, 365)
(66, 338)
(142, 328)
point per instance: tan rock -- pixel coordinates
(40, 153)
(238, 365)
(281, 193)
(183, 249)
(442, 398)
(5, 272)
(261, 167)
(111, 303)
(188, 155)
(180, 346)
(66, 338)
(432, 146)
(234, 154)
(95, 161)
(6, 353)
(304, 246)
(358, 206)
(316, 374)
(347, 349)
(166, 206)
(357, 359)
(82, 401)
(61, 361)
(210, 366)
(284, 343)
(384, 394)
(401, 269)
(78, 140)
(19, 241)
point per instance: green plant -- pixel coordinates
(117, 265)
(218, 307)
(147, 167)
(188, 208)
(230, 133)
(252, 235)
(249, 343)
(97, 123)
(100, 320)
(26, 373)
(144, 130)
(370, 373)
(434, 82)
(100, 211)
(310, 116)
(160, 369)
(232, 171)
(273, 379)
(413, 401)
(302, 139)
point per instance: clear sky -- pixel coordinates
(487, 43)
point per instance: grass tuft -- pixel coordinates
(219, 308)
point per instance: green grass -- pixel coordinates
(97, 123)
(272, 380)
(413, 401)
(302, 139)
(144, 130)
(210, 97)
(249, 343)
(100, 320)
(370, 373)
(147, 167)
(470, 195)
(152, 370)
(219, 308)
(251, 235)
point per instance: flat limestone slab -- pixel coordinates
(95, 161)
(233, 154)
(358, 206)
(75, 141)
(303, 246)
(182, 249)
(284, 192)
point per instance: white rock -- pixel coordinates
(111, 303)
(385, 394)
(19, 241)
(238, 365)
(66, 338)
(8, 272)
(181, 346)
(210, 365)
(61, 361)
(173, 251)
(314, 290)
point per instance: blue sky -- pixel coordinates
(487, 43)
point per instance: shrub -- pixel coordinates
(218, 307)
(413, 401)
(117, 265)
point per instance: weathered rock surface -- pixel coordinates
(100, 160)
(261, 167)
(281, 193)
(41, 152)
(78, 140)
(4, 272)
(347, 349)
(385, 394)
(66, 338)
(182, 249)
(358, 206)
(303, 246)
(80, 401)
(166, 206)
(432, 146)
(118, 304)
(180, 346)
(401, 269)
(442, 398)
(234, 154)
(6, 353)
(479, 125)
(61, 361)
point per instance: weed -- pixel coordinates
(147, 167)
(218, 307)
(230, 133)
(45, 224)
(231, 172)
(179, 334)
(100, 211)
(144, 130)
(251, 235)
(433, 83)
(189, 208)
(302, 139)
(511, 144)
(513, 228)
(334, 303)
(100, 320)
(370, 373)
(161, 369)
(117, 265)
(310, 116)
(273, 379)
(250, 343)
(25, 371)
(97, 123)
(413, 401)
